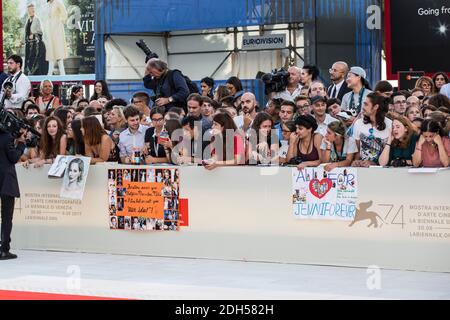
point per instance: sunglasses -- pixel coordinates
(371, 135)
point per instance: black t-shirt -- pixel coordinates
(155, 150)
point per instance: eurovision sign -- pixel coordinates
(318, 194)
(144, 199)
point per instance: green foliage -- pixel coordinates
(12, 28)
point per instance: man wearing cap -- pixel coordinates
(319, 108)
(338, 73)
(356, 81)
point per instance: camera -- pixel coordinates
(8, 86)
(149, 54)
(295, 161)
(276, 81)
(398, 162)
(9, 122)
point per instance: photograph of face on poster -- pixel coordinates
(58, 167)
(112, 175)
(150, 175)
(75, 177)
(127, 223)
(143, 175)
(159, 175)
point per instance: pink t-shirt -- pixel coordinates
(239, 148)
(430, 154)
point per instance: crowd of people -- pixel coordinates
(344, 124)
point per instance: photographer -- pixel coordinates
(293, 88)
(169, 86)
(16, 87)
(10, 152)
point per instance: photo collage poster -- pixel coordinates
(144, 199)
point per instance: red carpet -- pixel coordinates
(24, 295)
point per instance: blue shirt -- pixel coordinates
(3, 77)
(127, 141)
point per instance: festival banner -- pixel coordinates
(318, 194)
(55, 38)
(144, 199)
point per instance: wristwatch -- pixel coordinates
(170, 99)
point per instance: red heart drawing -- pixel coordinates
(315, 185)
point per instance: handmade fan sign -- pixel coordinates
(320, 188)
(318, 194)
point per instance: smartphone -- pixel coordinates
(206, 162)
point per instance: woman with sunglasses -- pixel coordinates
(287, 129)
(426, 84)
(433, 148)
(338, 149)
(154, 136)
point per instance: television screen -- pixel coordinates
(420, 35)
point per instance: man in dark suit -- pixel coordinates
(10, 151)
(338, 74)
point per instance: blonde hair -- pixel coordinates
(338, 127)
(41, 85)
(119, 110)
(425, 79)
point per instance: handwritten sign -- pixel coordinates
(318, 194)
(144, 200)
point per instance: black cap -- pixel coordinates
(317, 99)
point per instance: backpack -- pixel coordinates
(192, 86)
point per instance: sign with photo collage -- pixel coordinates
(144, 199)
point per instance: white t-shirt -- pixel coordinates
(239, 121)
(282, 153)
(348, 148)
(372, 141)
(287, 96)
(445, 90)
(21, 90)
(322, 127)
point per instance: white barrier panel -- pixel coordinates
(245, 213)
